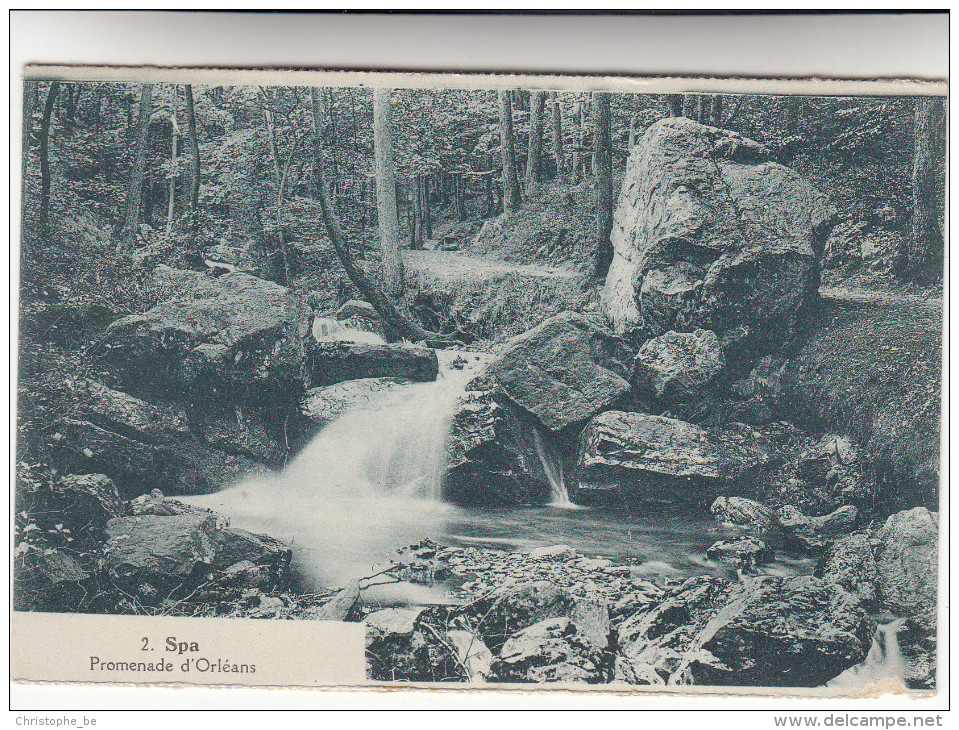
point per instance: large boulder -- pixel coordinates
(160, 550)
(677, 366)
(332, 361)
(564, 371)
(907, 556)
(744, 552)
(233, 336)
(762, 631)
(709, 234)
(139, 467)
(491, 453)
(850, 563)
(640, 457)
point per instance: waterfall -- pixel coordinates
(369, 482)
(553, 468)
(883, 662)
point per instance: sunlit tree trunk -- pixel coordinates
(174, 149)
(387, 217)
(557, 115)
(602, 182)
(511, 197)
(131, 215)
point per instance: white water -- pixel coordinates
(883, 662)
(368, 483)
(553, 468)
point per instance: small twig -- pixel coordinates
(450, 649)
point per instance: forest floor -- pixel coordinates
(451, 266)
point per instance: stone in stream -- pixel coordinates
(563, 371)
(744, 552)
(331, 362)
(472, 653)
(552, 650)
(813, 534)
(165, 551)
(552, 552)
(850, 562)
(709, 234)
(677, 366)
(743, 512)
(640, 457)
(907, 556)
(762, 631)
(395, 646)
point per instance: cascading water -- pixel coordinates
(368, 483)
(553, 468)
(884, 661)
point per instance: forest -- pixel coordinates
(538, 383)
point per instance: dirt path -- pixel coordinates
(453, 266)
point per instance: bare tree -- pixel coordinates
(674, 105)
(511, 197)
(557, 117)
(174, 150)
(131, 214)
(602, 182)
(44, 218)
(534, 147)
(388, 219)
(922, 257)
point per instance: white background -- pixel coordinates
(785, 46)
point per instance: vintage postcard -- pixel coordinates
(428, 380)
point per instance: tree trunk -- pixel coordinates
(923, 256)
(193, 203)
(716, 116)
(633, 121)
(174, 139)
(557, 116)
(131, 215)
(602, 182)
(674, 105)
(44, 218)
(427, 218)
(511, 197)
(279, 175)
(399, 322)
(689, 106)
(387, 218)
(534, 147)
(26, 132)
